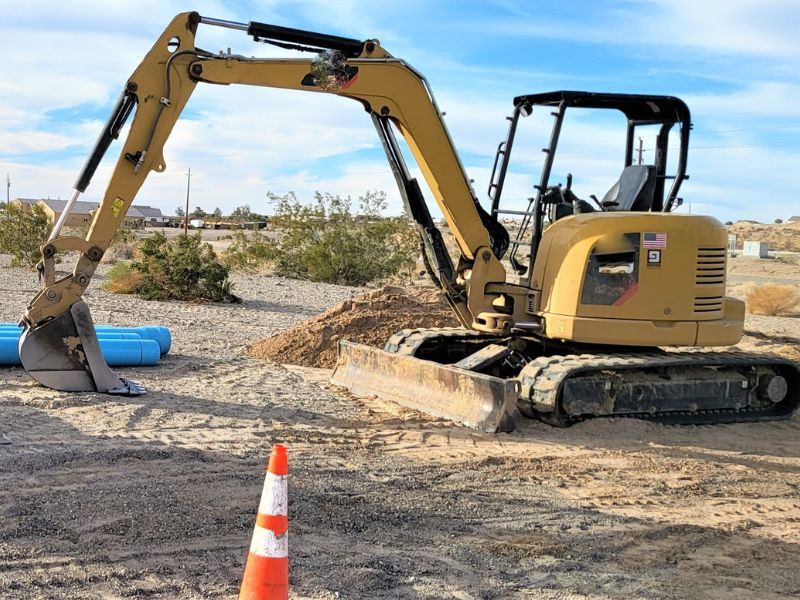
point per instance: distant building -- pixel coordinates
(793, 219)
(83, 212)
(758, 249)
(25, 203)
(152, 216)
(80, 215)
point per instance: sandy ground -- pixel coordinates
(155, 496)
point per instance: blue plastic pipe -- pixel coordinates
(118, 353)
(101, 335)
(157, 333)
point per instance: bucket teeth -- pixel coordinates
(128, 387)
(64, 354)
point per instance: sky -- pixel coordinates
(735, 63)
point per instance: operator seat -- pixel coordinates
(634, 190)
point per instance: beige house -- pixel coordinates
(152, 216)
(25, 203)
(83, 212)
(80, 215)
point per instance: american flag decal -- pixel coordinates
(655, 240)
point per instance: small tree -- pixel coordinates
(22, 232)
(182, 269)
(326, 241)
(179, 212)
(217, 213)
(778, 221)
(199, 212)
(242, 213)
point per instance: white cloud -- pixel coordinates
(738, 27)
(751, 105)
(62, 59)
(759, 27)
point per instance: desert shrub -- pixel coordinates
(772, 299)
(182, 269)
(326, 241)
(22, 232)
(121, 251)
(249, 252)
(123, 278)
(123, 245)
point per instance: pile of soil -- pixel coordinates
(369, 319)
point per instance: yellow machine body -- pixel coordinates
(639, 279)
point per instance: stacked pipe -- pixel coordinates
(121, 346)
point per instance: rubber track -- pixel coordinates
(541, 381)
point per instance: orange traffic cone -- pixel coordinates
(266, 575)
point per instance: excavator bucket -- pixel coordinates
(479, 401)
(64, 354)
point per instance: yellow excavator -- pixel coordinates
(599, 290)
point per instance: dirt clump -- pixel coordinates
(369, 319)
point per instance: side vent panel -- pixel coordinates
(710, 281)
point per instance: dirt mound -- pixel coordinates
(369, 319)
(779, 236)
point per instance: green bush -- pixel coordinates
(22, 232)
(249, 252)
(123, 278)
(181, 269)
(326, 241)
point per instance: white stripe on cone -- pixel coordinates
(274, 498)
(266, 543)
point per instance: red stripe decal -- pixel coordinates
(350, 82)
(627, 295)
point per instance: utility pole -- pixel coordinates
(640, 150)
(186, 214)
(8, 189)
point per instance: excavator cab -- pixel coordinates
(639, 188)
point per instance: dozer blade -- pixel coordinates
(64, 354)
(479, 401)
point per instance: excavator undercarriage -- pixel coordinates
(562, 384)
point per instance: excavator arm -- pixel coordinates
(59, 347)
